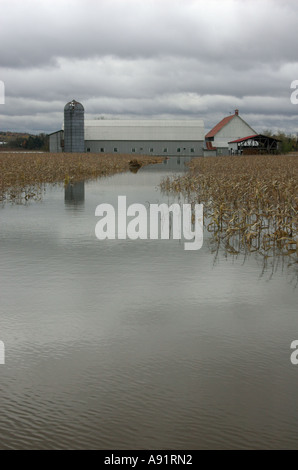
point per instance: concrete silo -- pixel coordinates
(74, 127)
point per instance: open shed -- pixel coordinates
(254, 145)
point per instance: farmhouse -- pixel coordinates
(148, 137)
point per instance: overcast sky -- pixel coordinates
(148, 58)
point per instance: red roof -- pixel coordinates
(243, 139)
(209, 146)
(219, 126)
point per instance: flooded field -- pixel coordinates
(122, 344)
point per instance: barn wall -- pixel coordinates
(55, 142)
(164, 148)
(235, 129)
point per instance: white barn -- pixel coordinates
(228, 129)
(155, 137)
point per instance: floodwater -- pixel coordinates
(122, 344)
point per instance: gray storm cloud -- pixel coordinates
(146, 58)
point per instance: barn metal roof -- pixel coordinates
(56, 132)
(243, 139)
(153, 129)
(219, 126)
(209, 146)
(255, 136)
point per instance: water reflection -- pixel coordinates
(134, 166)
(177, 163)
(269, 265)
(74, 194)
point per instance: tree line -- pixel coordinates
(32, 142)
(288, 142)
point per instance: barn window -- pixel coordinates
(133, 150)
(151, 150)
(102, 149)
(192, 150)
(179, 150)
(165, 150)
(115, 149)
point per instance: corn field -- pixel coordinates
(23, 175)
(250, 202)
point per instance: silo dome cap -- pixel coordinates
(73, 105)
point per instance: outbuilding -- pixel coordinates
(254, 145)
